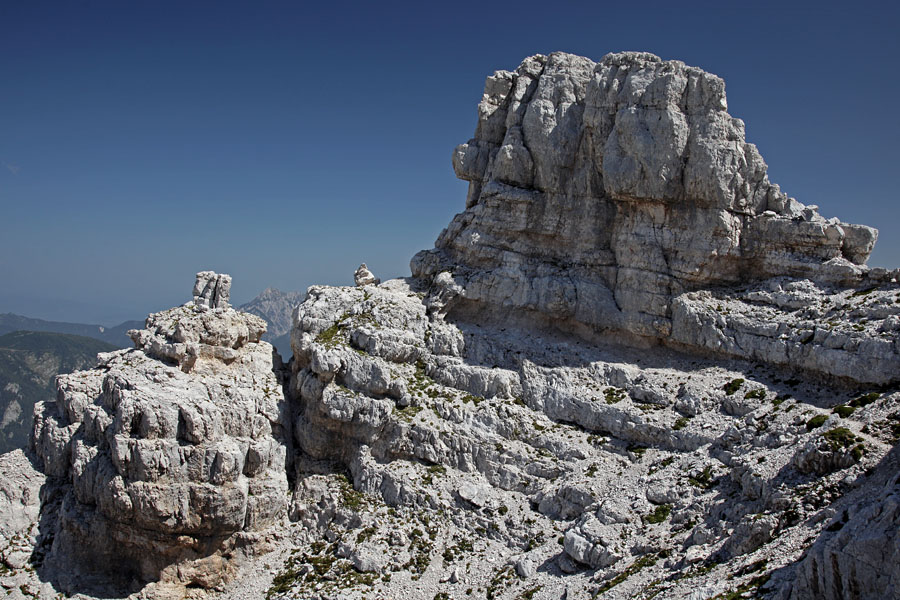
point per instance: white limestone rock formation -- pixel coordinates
(20, 486)
(858, 554)
(620, 467)
(601, 193)
(212, 290)
(841, 332)
(169, 460)
(514, 394)
(363, 276)
(631, 368)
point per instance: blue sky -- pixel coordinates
(285, 143)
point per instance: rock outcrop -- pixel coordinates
(627, 456)
(212, 290)
(858, 554)
(619, 202)
(632, 368)
(168, 460)
(363, 276)
(602, 194)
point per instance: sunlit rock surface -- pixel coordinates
(170, 458)
(631, 368)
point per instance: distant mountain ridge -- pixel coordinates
(271, 304)
(276, 307)
(29, 364)
(116, 335)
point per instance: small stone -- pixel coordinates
(451, 577)
(476, 494)
(879, 274)
(525, 567)
(16, 559)
(695, 554)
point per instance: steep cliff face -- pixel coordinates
(601, 192)
(169, 458)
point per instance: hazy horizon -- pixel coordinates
(286, 143)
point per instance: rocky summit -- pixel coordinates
(632, 367)
(168, 459)
(620, 196)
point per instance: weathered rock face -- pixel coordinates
(644, 465)
(212, 290)
(849, 333)
(858, 555)
(20, 488)
(449, 436)
(601, 192)
(169, 458)
(614, 197)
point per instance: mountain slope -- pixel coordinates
(29, 363)
(116, 335)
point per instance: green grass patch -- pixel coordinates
(843, 411)
(816, 421)
(643, 562)
(659, 514)
(865, 292)
(460, 548)
(637, 450)
(365, 534)
(703, 480)
(350, 497)
(779, 400)
(757, 394)
(613, 395)
(529, 593)
(840, 438)
(408, 413)
(732, 386)
(865, 400)
(742, 590)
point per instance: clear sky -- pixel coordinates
(285, 143)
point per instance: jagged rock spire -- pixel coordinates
(212, 290)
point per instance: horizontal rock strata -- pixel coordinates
(640, 463)
(631, 368)
(601, 193)
(170, 457)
